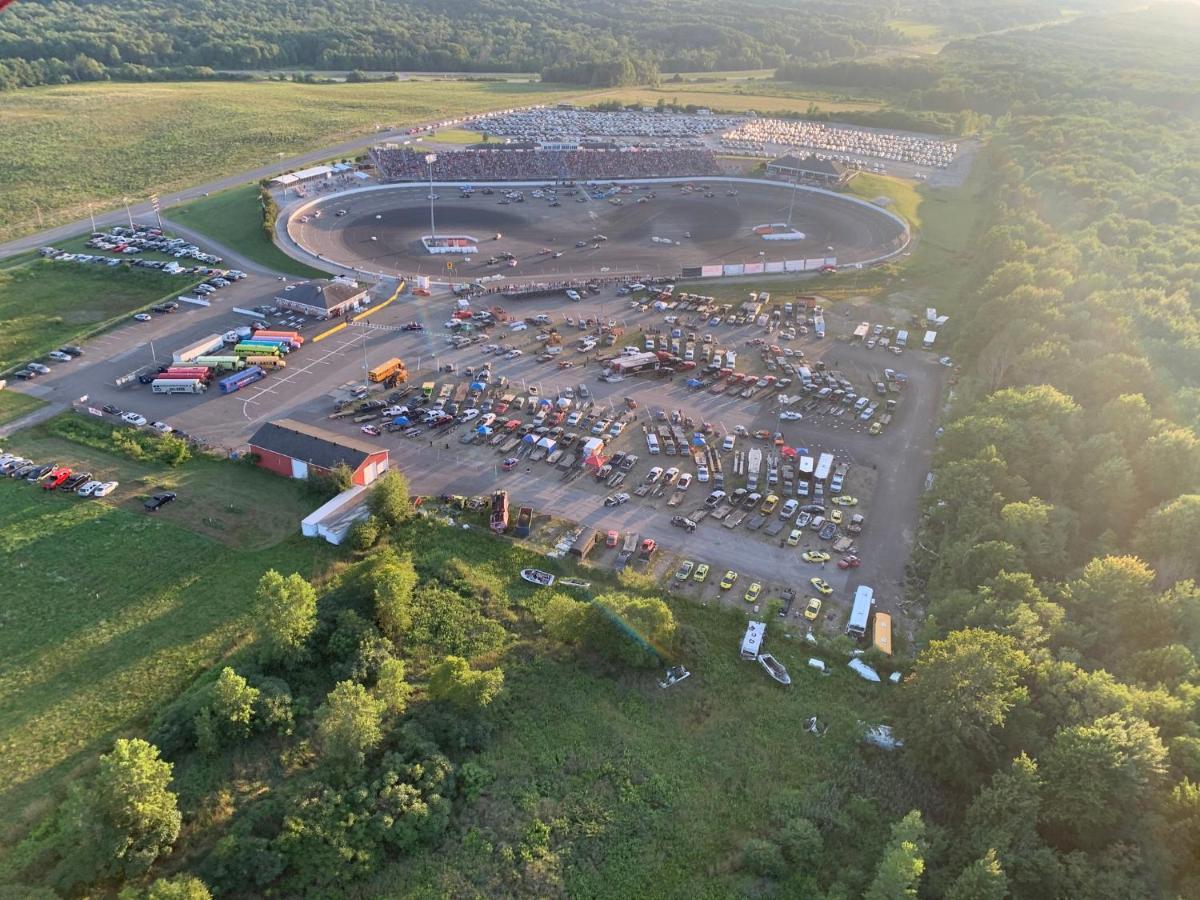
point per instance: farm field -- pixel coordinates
(96, 636)
(70, 146)
(45, 304)
(234, 218)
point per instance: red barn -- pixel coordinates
(293, 449)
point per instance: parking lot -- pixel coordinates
(885, 471)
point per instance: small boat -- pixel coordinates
(774, 668)
(675, 674)
(575, 583)
(538, 577)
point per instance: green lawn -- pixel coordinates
(108, 612)
(234, 218)
(67, 146)
(45, 304)
(903, 193)
(455, 136)
(14, 405)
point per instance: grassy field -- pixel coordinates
(65, 147)
(916, 31)
(96, 636)
(234, 218)
(904, 194)
(216, 499)
(762, 96)
(455, 136)
(14, 405)
(45, 304)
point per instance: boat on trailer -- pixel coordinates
(774, 668)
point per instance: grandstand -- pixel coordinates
(503, 164)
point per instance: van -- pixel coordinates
(652, 444)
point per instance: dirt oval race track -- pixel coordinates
(381, 229)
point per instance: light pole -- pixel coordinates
(127, 212)
(430, 159)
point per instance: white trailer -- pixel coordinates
(202, 347)
(752, 640)
(824, 467)
(860, 613)
(930, 337)
(178, 386)
(901, 338)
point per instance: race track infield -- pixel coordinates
(382, 228)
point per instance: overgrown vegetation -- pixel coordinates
(136, 443)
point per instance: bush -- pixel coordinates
(134, 443)
(363, 534)
(763, 858)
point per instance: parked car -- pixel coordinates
(159, 500)
(132, 418)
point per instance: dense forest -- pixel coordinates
(49, 41)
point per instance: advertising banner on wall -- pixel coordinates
(734, 269)
(712, 271)
(794, 265)
(775, 266)
(752, 269)
(691, 271)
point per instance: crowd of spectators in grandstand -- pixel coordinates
(560, 124)
(403, 164)
(754, 135)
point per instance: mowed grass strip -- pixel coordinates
(762, 97)
(13, 406)
(234, 219)
(46, 304)
(107, 614)
(67, 146)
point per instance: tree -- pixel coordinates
(564, 618)
(1169, 463)
(629, 629)
(287, 611)
(389, 500)
(233, 702)
(958, 699)
(391, 689)
(1169, 536)
(1098, 774)
(802, 843)
(395, 581)
(981, 880)
(453, 681)
(763, 857)
(903, 861)
(177, 887)
(363, 534)
(1035, 527)
(349, 723)
(127, 817)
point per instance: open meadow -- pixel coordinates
(70, 146)
(109, 611)
(764, 96)
(45, 304)
(233, 218)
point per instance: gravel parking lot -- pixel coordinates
(886, 471)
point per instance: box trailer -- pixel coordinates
(202, 347)
(930, 337)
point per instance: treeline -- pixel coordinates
(620, 72)
(76, 40)
(1055, 700)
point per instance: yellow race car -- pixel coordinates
(752, 593)
(813, 609)
(728, 580)
(821, 586)
(816, 556)
(701, 573)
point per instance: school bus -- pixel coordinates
(882, 634)
(267, 362)
(392, 368)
